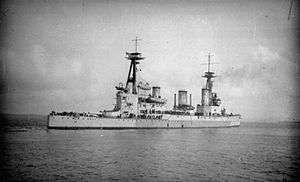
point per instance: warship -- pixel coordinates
(141, 106)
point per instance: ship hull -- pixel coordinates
(69, 122)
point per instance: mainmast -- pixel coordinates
(209, 98)
(134, 58)
(209, 75)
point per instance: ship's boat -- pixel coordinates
(144, 86)
(138, 105)
(156, 100)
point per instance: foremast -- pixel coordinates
(134, 58)
(136, 99)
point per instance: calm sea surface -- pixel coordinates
(251, 152)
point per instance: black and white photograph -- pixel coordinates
(149, 90)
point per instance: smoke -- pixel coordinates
(266, 83)
(265, 66)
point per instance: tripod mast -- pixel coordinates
(134, 58)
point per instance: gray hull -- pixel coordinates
(69, 122)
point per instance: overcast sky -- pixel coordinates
(69, 55)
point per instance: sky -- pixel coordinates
(67, 55)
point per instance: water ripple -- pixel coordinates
(252, 152)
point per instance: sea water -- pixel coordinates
(252, 152)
